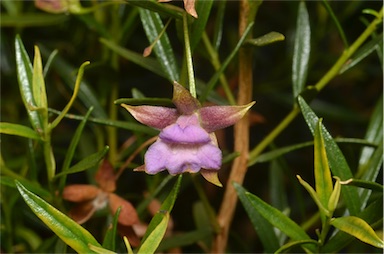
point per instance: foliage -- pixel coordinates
(308, 174)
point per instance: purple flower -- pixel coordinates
(186, 142)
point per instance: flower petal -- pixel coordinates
(105, 177)
(156, 157)
(218, 117)
(128, 215)
(80, 192)
(186, 131)
(153, 116)
(185, 103)
(210, 156)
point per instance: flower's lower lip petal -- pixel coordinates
(192, 134)
(156, 157)
(209, 156)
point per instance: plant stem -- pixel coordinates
(248, 11)
(188, 56)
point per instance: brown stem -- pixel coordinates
(241, 132)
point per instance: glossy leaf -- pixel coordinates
(323, 178)
(25, 78)
(335, 195)
(153, 26)
(160, 8)
(359, 229)
(154, 238)
(263, 228)
(18, 130)
(336, 160)
(35, 187)
(68, 230)
(88, 162)
(301, 51)
(100, 250)
(372, 214)
(38, 88)
(276, 217)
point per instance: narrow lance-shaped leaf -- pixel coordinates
(277, 218)
(25, 77)
(323, 178)
(301, 50)
(90, 161)
(359, 229)
(153, 240)
(165, 207)
(38, 88)
(153, 25)
(336, 160)
(68, 230)
(203, 8)
(262, 227)
(18, 130)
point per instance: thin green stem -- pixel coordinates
(319, 86)
(337, 23)
(75, 91)
(188, 56)
(216, 64)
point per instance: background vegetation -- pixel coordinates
(324, 60)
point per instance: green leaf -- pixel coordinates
(90, 161)
(119, 124)
(161, 8)
(287, 246)
(336, 159)
(265, 39)
(38, 88)
(322, 208)
(25, 79)
(165, 207)
(263, 228)
(277, 218)
(364, 184)
(359, 229)
(323, 178)
(146, 101)
(18, 130)
(145, 62)
(153, 26)
(203, 8)
(219, 25)
(110, 236)
(154, 238)
(68, 230)
(372, 214)
(35, 187)
(184, 239)
(301, 51)
(335, 195)
(362, 53)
